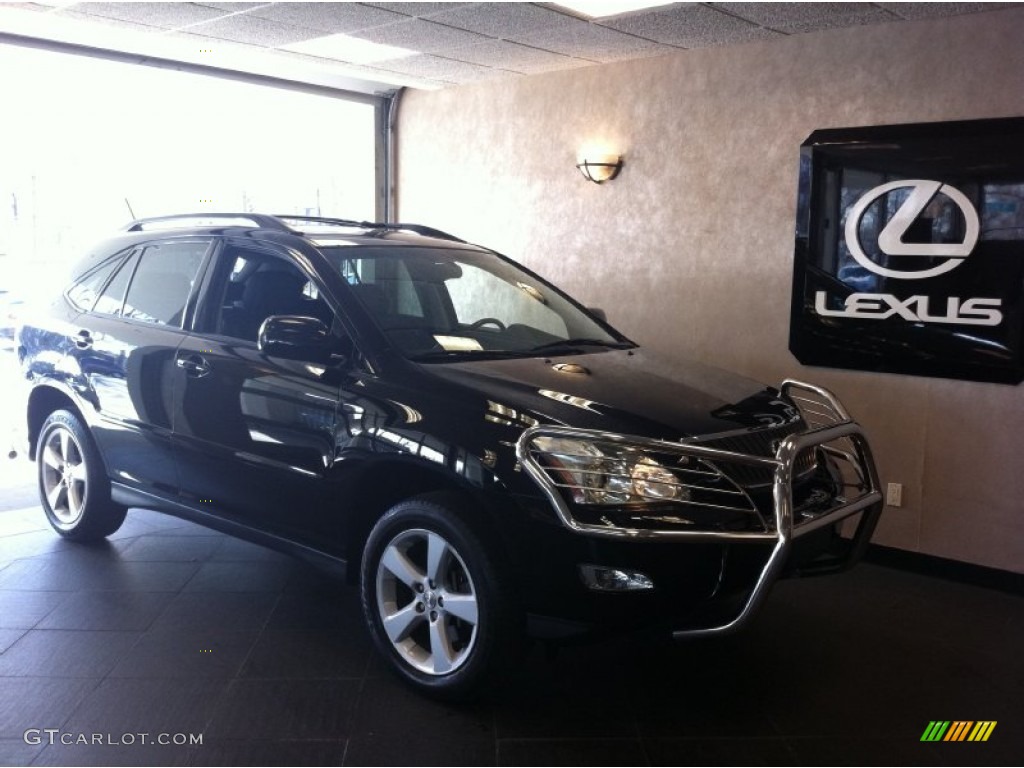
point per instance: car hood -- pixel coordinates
(627, 392)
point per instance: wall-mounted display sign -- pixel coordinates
(910, 250)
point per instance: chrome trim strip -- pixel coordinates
(842, 428)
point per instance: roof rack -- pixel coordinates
(419, 229)
(211, 219)
(322, 220)
(278, 222)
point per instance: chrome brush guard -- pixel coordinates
(829, 429)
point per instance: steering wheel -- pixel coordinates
(487, 321)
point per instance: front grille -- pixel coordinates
(762, 442)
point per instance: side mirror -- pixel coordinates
(598, 313)
(294, 337)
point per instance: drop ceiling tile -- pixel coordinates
(345, 69)
(415, 9)
(690, 26)
(935, 10)
(590, 41)
(211, 47)
(515, 57)
(232, 7)
(327, 17)
(504, 20)
(44, 7)
(806, 17)
(420, 35)
(438, 68)
(164, 15)
(102, 21)
(243, 28)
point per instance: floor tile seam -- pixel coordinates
(303, 679)
(574, 739)
(259, 635)
(236, 676)
(71, 713)
(286, 740)
(344, 752)
(41, 618)
(61, 629)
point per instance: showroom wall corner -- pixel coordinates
(690, 250)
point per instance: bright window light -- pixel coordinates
(599, 9)
(350, 49)
(88, 144)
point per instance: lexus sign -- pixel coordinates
(910, 250)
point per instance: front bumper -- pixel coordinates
(830, 430)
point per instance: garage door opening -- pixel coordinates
(87, 144)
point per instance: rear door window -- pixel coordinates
(87, 289)
(163, 280)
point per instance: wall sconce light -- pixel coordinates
(600, 166)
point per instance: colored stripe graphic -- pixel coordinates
(982, 730)
(958, 730)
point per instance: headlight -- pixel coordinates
(608, 474)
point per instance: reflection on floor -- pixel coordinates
(173, 631)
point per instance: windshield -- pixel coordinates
(436, 304)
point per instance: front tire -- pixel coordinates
(437, 600)
(73, 485)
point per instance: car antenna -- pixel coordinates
(130, 211)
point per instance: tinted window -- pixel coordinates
(260, 285)
(84, 292)
(162, 282)
(112, 300)
(432, 302)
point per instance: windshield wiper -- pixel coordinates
(463, 354)
(565, 345)
(552, 346)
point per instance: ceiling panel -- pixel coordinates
(504, 20)
(437, 68)
(420, 35)
(516, 58)
(420, 9)
(807, 17)
(165, 15)
(327, 17)
(933, 10)
(243, 28)
(464, 42)
(591, 41)
(691, 26)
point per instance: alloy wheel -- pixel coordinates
(63, 475)
(427, 602)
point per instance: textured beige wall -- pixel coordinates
(690, 250)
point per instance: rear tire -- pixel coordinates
(437, 600)
(73, 485)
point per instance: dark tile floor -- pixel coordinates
(169, 628)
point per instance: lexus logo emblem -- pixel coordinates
(890, 239)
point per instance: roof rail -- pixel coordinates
(419, 229)
(260, 220)
(321, 220)
(278, 222)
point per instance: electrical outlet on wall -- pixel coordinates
(894, 495)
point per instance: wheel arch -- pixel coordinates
(42, 401)
(391, 482)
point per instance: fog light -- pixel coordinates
(603, 579)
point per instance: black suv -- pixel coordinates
(487, 458)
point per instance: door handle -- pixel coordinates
(194, 365)
(83, 339)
